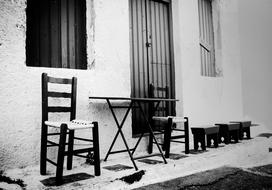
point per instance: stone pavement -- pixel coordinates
(216, 168)
(220, 178)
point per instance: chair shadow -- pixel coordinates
(150, 161)
(199, 151)
(51, 181)
(173, 156)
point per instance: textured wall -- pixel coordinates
(255, 23)
(20, 86)
(208, 99)
(203, 99)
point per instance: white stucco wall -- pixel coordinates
(20, 86)
(255, 21)
(203, 99)
(210, 99)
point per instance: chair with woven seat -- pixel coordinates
(165, 124)
(67, 127)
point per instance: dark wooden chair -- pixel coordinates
(164, 123)
(65, 127)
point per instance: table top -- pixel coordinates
(133, 99)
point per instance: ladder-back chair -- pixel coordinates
(67, 127)
(163, 122)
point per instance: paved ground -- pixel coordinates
(245, 165)
(220, 178)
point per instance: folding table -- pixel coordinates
(132, 103)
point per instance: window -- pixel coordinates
(206, 38)
(56, 34)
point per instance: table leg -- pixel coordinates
(120, 131)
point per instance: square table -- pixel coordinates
(133, 103)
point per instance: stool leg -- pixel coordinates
(209, 138)
(215, 140)
(248, 132)
(195, 142)
(43, 153)
(97, 171)
(241, 133)
(202, 141)
(227, 137)
(167, 136)
(236, 136)
(70, 149)
(62, 140)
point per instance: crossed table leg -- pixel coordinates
(123, 137)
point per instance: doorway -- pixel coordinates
(151, 51)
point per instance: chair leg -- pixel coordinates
(70, 149)
(97, 171)
(186, 128)
(61, 152)
(43, 153)
(167, 137)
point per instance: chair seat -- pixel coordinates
(175, 119)
(71, 125)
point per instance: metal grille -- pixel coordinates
(206, 38)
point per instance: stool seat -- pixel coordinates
(231, 126)
(244, 128)
(243, 123)
(208, 129)
(200, 132)
(228, 131)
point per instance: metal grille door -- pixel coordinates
(151, 59)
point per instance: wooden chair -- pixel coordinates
(66, 128)
(164, 123)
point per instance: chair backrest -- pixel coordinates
(159, 92)
(69, 94)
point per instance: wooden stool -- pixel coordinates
(228, 131)
(244, 128)
(199, 136)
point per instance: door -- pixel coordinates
(151, 51)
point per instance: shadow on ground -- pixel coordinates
(220, 178)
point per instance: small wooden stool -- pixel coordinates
(244, 128)
(199, 136)
(228, 131)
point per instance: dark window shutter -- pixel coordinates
(56, 34)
